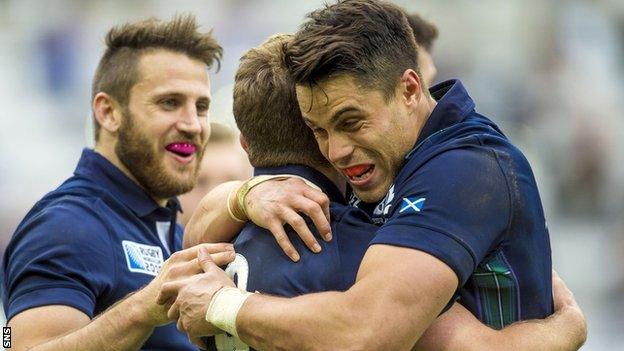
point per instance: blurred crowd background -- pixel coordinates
(549, 72)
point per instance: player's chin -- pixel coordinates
(374, 192)
(371, 195)
(185, 178)
(180, 170)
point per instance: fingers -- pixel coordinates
(567, 307)
(315, 212)
(282, 240)
(174, 312)
(314, 204)
(205, 260)
(169, 291)
(222, 258)
(319, 215)
(216, 247)
(301, 227)
(182, 269)
(270, 205)
(199, 342)
(555, 275)
(191, 253)
(179, 274)
(562, 296)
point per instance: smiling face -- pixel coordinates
(165, 126)
(363, 135)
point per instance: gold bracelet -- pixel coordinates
(229, 208)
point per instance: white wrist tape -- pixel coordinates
(224, 307)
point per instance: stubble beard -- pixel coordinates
(140, 156)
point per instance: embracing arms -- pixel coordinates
(372, 315)
(269, 205)
(124, 326)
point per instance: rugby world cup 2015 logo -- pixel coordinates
(141, 258)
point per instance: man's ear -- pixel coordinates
(411, 88)
(107, 112)
(243, 142)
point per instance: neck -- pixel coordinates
(107, 150)
(425, 111)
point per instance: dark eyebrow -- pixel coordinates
(342, 111)
(205, 99)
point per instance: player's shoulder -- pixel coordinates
(470, 165)
(62, 217)
(476, 135)
(61, 207)
(65, 229)
(474, 153)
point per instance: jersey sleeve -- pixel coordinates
(455, 207)
(60, 256)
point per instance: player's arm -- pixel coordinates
(397, 295)
(270, 205)
(124, 326)
(211, 222)
(458, 329)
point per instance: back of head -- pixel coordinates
(425, 33)
(266, 110)
(117, 71)
(368, 39)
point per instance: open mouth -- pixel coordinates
(182, 149)
(359, 173)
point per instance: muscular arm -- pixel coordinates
(390, 305)
(397, 295)
(458, 329)
(374, 317)
(124, 326)
(211, 222)
(269, 205)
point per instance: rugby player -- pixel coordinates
(430, 266)
(263, 96)
(82, 270)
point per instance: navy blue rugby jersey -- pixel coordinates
(90, 243)
(262, 266)
(467, 196)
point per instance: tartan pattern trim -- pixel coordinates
(498, 289)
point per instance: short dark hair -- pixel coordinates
(369, 39)
(117, 71)
(425, 32)
(266, 110)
